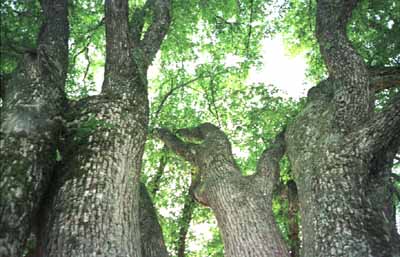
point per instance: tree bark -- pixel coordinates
(242, 205)
(31, 122)
(331, 144)
(95, 209)
(150, 230)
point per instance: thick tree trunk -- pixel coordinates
(338, 218)
(242, 205)
(34, 101)
(331, 144)
(95, 209)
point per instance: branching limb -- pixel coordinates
(267, 171)
(382, 129)
(187, 150)
(346, 67)
(155, 34)
(268, 164)
(170, 92)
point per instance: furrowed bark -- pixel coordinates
(242, 205)
(96, 207)
(346, 67)
(330, 149)
(150, 230)
(34, 101)
(330, 173)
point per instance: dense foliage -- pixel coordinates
(200, 75)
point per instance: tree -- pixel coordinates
(95, 191)
(338, 135)
(333, 146)
(71, 162)
(242, 205)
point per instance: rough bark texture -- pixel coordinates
(95, 210)
(331, 144)
(242, 205)
(150, 230)
(34, 100)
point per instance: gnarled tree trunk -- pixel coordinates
(331, 145)
(242, 205)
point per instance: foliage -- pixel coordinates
(200, 76)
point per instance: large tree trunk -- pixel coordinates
(34, 101)
(96, 205)
(331, 145)
(91, 206)
(242, 205)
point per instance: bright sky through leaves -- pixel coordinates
(285, 72)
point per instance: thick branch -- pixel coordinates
(155, 34)
(382, 130)
(53, 40)
(186, 150)
(384, 77)
(352, 99)
(119, 64)
(268, 164)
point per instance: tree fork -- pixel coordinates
(242, 205)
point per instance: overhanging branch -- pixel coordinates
(187, 150)
(155, 34)
(268, 164)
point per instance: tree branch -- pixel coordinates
(345, 66)
(154, 184)
(170, 92)
(137, 21)
(382, 129)
(384, 77)
(155, 34)
(268, 164)
(186, 150)
(119, 67)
